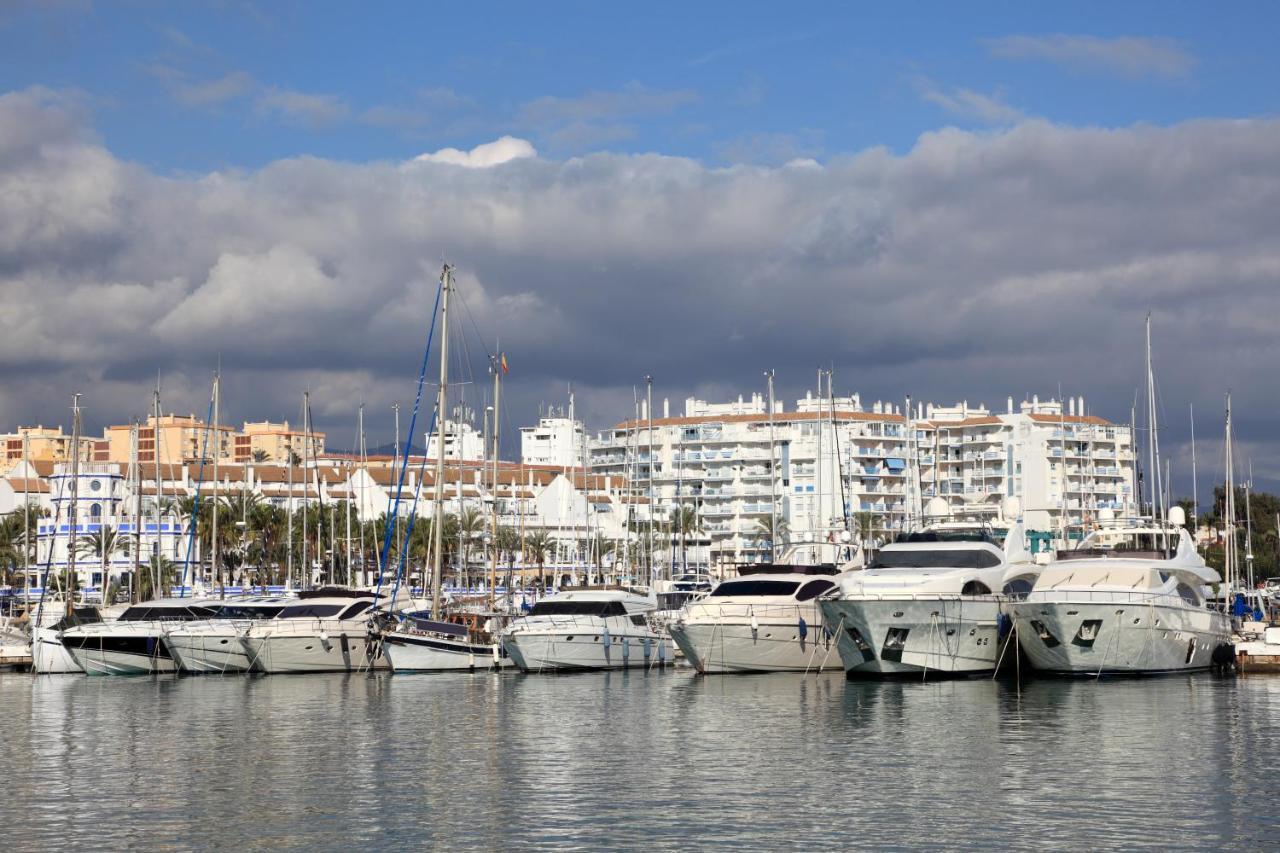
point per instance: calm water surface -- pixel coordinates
(660, 761)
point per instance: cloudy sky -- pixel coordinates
(942, 203)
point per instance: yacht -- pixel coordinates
(1131, 598)
(133, 644)
(326, 630)
(765, 620)
(419, 644)
(214, 645)
(582, 629)
(934, 601)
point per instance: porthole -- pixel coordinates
(595, 639)
(307, 648)
(222, 642)
(897, 614)
(951, 632)
(569, 639)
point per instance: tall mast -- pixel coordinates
(135, 480)
(773, 478)
(395, 466)
(1195, 489)
(437, 527)
(26, 518)
(497, 415)
(363, 467)
(288, 582)
(648, 409)
(1229, 509)
(75, 493)
(214, 566)
(304, 575)
(1248, 527)
(815, 514)
(1153, 446)
(157, 572)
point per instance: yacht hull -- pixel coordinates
(120, 654)
(1122, 637)
(209, 650)
(579, 650)
(884, 637)
(49, 656)
(281, 653)
(719, 648)
(413, 653)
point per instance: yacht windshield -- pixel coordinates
(935, 559)
(756, 588)
(578, 608)
(250, 611)
(310, 611)
(148, 613)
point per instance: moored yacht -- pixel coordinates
(46, 621)
(214, 645)
(326, 630)
(931, 602)
(765, 620)
(419, 644)
(581, 629)
(1132, 599)
(134, 643)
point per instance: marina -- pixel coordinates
(664, 760)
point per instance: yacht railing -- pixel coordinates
(788, 613)
(1094, 596)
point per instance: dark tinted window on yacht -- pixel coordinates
(931, 559)
(250, 611)
(578, 608)
(1188, 595)
(813, 589)
(143, 613)
(356, 609)
(314, 611)
(756, 587)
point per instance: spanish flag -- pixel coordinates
(503, 361)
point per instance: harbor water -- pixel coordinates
(657, 760)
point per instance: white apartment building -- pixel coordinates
(833, 471)
(461, 439)
(558, 442)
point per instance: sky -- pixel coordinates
(951, 202)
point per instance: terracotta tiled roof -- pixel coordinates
(1070, 419)
(22, 485)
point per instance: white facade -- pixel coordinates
(834, 472)
(461, 441)
(558, 442)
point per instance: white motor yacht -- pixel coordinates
(934, 601)
(214, 645)
(426, 645)
(326, 630)
(581, 629)
(1131, 598)
(134, 643)
(762, 621)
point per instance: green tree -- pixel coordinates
(766, 539)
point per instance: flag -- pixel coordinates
(503, 360)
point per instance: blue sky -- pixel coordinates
(202, 86)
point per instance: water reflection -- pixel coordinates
(664, 760)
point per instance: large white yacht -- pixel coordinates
(766, 620)
(41, 626)
(134, 643)
(1131, 598)
(587, 629)
(214, 645)
(931, 602)
(326, 630)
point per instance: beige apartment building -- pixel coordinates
(275, 442)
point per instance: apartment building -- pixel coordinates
(557, 441)
(269, 441)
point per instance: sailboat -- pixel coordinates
(435, 644)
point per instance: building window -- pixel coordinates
(94, 485)
(95, 511)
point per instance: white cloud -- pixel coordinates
(302, 107)
(212, 92)
(966, 103)
(1129, 56)
(501, 150)
(975, 265)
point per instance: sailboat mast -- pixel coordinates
(214, 566)
(26, 518)
(497, 415)
(1195, 488)
(288, 582)
(773, 478)
(1153, 445)
(437, 527)
(157, 572)
(304, 573)
(1229, 509)
(75, 493)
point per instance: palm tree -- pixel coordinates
(470, 527)
(259, 456)
(536, 546)
(12, 544)
(156, 567)
(765, 537)
(684, 520)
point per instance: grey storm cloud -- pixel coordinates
(974, 266)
